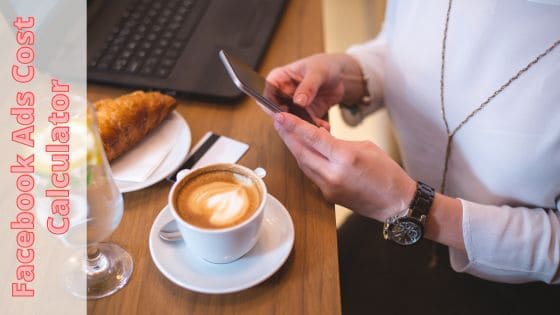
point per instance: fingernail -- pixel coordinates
(301, 99)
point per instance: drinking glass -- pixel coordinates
(107, 267)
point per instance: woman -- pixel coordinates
(472, 88)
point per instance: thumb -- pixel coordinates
(307, 88)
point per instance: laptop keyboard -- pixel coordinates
(149, 37)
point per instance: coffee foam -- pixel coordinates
(218, 199)
(222, 202)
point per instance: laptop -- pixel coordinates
(173, 45)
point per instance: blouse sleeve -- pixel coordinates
(371, 58)
(507, 244)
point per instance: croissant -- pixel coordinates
(125, 120)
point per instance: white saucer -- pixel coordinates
(190, 272)
(175, 158)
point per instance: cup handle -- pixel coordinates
(182, 173)
(260, 172)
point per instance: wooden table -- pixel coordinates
(308, 282)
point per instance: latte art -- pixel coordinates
(218, 199)
(222, 202)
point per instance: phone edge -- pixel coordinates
(244, 87)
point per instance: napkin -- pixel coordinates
(222, 150)
(139, 163)
(212, 148)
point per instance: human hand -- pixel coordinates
(357, 175)
(318, 82)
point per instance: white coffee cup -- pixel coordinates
(222, 245)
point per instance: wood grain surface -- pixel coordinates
(308, 282)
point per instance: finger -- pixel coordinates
(312, 163)
(312, 110)
(270, 94)
(278, 75)
(323, 124)
(307, 88)
(284, 80)
(315, 171)
(281, 79)
(289, 88)
(305, 156)
(317, 138)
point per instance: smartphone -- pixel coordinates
(254, 85)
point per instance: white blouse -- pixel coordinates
(505, 162)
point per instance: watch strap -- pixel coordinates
(422, 200)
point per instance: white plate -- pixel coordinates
(175, 158)
(190, 272)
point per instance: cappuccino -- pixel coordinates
(217, 199)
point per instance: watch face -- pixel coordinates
(406, 231)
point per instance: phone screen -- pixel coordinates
(254, 85)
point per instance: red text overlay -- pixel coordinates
(23, 112)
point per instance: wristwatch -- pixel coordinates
(407, 227)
